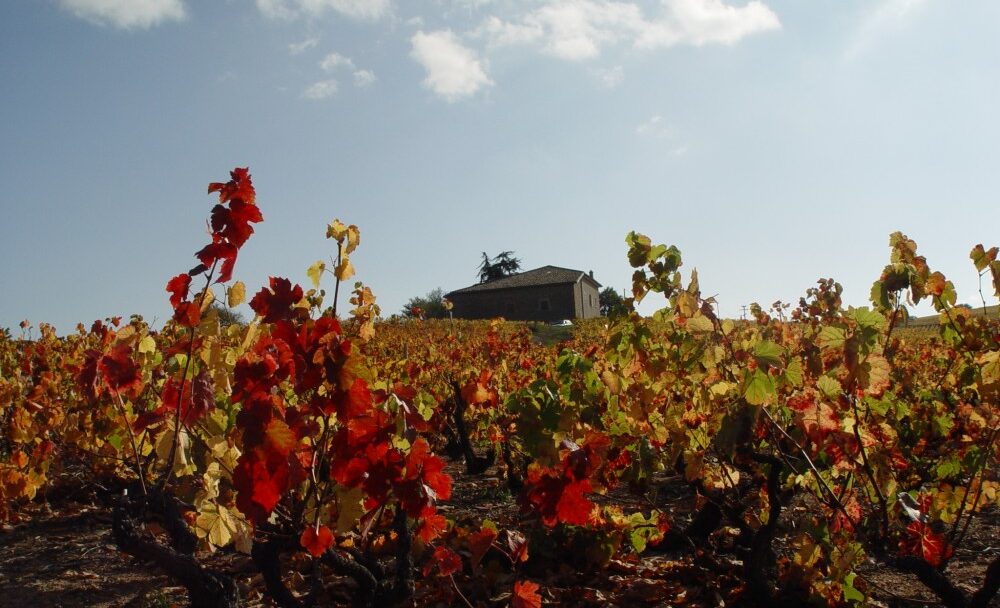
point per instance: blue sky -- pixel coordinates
(774, 142)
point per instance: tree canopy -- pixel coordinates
(502, 265)
(612, 303)
(430, 306)
(228, 316)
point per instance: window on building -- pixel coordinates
(544, 305)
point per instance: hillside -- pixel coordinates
(931, 320)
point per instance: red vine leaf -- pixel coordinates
(922, 541)
(187, 314)
(279, 438)
(260, 482)
(479, 543)
(233, 223)
(119, 371)
(239, 187)
(316, 542)
(573, 507)
(275, 304)
(432, 525)
(178, 288)
(526, 595)
(216, 251)
(199, 397)
(447, 562)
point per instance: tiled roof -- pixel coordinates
(546, 275)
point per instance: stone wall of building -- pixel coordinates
(589, 301)
(540, 303)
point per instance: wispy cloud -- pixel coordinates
(320, 90)
(127, 14)
(610, 77)
(297, 48)
(580, 29)
(364, 78)
(880, 18)
(454, 71)
(366, 10)
(471, 5)
(498, 32)
(654, 127)
(336, 60)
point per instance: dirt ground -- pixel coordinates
(65, 559)
(62, 555)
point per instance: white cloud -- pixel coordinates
(580, 29)
(471, 5)
(700, 22)
(297, 48)
(366, 10)
(359, 9)
(654, 127)
(453, 71)
(320, 90)
(610, 77)
(336, 60)
(364, 78)
(127, 14)
(276, 9)
(498, 32)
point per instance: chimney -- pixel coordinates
(591, 274)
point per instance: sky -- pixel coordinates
(774, 142)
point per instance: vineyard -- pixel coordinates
(815, 455)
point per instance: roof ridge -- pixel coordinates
(530, 278)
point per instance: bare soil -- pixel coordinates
(62, 555)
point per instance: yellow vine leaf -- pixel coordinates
(699, 324)
(350, 508)
(687, 303)
(226, 455)
(207, 301)
(182, 466)
(345, 269)
(367, 330)
(147, 345)
(210, 484)
(236, 294)
(353, 238)
(251, 334)
(216, 524)
(336, 230)
(209, 324)
(807, 552)
(315, 272)
(126, 334)
(349, 237)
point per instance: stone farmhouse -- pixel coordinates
(547, 294)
